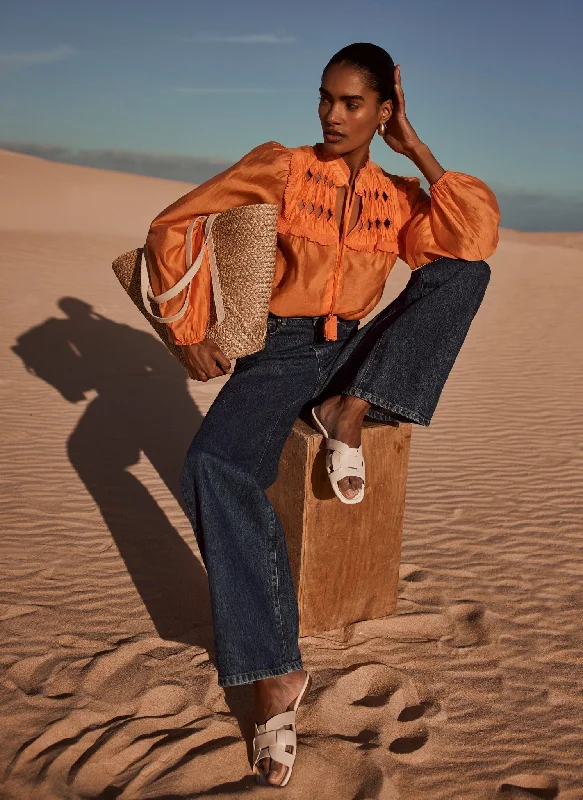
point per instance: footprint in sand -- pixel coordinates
(528, 786)
(409, 744)
(467, 624)
(375, 707)
(412, 574)
(417, 734)
(353, 700)
(416, 585)
(427, 708)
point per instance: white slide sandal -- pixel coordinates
(342, 461)
(272, 738)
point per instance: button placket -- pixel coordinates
(331, 324)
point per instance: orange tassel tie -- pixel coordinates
(331, 328)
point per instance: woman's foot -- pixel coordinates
(273, 696)
(342, 416)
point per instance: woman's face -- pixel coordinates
(350, 109)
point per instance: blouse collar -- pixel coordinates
(340, 166)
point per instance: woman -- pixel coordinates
(343, 223)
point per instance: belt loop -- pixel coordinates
(317, 322)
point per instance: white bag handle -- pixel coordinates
(185, 281)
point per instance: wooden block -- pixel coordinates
(344, 558)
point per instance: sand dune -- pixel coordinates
(472, 690)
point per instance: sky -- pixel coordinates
(184, 89)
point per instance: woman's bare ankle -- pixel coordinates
(273, 695)
(354, 405)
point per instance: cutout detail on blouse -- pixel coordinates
(310, 199)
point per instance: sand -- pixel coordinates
(108, 689)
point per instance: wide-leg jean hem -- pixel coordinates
(377, 413)
(258, 675)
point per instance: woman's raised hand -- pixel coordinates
(205, 360)
(399, 133)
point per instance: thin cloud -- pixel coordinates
(29, 58)
(218, 90)
(250, 38)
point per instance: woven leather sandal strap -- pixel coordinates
(340, 452)
(282, 737)
(342, 447)
(338, 474)
(279, 754)
(273, 744)
(336, 458)
(279, 720)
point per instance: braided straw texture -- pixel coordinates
(245, 242)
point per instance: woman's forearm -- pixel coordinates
(426, 162)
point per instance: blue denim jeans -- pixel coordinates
(398, 362)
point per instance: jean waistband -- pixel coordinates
(315, 321)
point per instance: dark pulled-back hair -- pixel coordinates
(375, 64)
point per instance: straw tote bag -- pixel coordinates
(241, 244)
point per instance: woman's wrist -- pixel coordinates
(425, 161)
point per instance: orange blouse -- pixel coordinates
(320, 269)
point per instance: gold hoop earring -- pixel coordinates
(382, 129)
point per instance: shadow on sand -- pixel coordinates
(142, 406)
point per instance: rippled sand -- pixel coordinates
(472, 690)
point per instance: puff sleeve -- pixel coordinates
(459, 218)
(259, 177)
